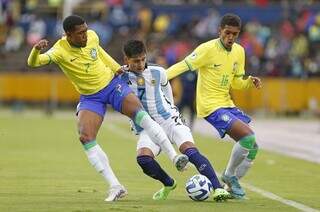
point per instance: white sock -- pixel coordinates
(243, 168)
(238, 154)
(100, 162)
(158, 136)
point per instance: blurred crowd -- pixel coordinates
(285, 44)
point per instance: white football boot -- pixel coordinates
(115, 193)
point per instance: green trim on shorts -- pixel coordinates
(247, 141)
(89, 145)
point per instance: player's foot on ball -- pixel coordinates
(163, 193)
(220, 194)
(115, 193)
(180, 162)
(236, 190)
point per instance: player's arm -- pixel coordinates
(108, 60)
(177, 69)
(192, 62)
(36, 59)
(242, 82)
(166, 87)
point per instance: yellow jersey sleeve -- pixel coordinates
(238, 81)
(192, 62)
(108, 60)
(89, 68)
(36, 59)
(198, 58)
(177, 69)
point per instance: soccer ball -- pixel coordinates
(199, 187)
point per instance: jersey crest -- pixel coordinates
(140, 81)
(235, 66)
(153, 82)
(93, 53)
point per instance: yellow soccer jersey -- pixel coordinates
(89, 68)
(218, 71)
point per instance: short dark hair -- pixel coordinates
(230, 20)
(71, 21)
(134, 47)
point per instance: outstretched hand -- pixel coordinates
(257, 82)
(42, 44)
(122, 70)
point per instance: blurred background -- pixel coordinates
(40, 156)
(281, 38)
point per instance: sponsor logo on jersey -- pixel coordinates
(216, 66)
(73, 59)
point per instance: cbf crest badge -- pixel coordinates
(235, 67)
(93, 53)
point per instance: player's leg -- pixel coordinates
(182, 137)
(147, 150)
(123, 100)
(132, 108)
(245, 138)
(246, 164)
(233, 122)
(88, 125)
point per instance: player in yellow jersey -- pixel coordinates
(220, 65)
(91, 70)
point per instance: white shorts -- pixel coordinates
(176, 132)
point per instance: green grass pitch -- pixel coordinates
(43, 168)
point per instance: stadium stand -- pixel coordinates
(281, 38)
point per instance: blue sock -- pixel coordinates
(203, 165)
(151, 168)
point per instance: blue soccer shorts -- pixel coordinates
(223, 118)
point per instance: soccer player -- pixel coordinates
(91, 70)
(220, 65)
(150, 84)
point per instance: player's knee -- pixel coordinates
(144, 151)
(86, 138)
(186, 145)
(253, 152)
(248, 141)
